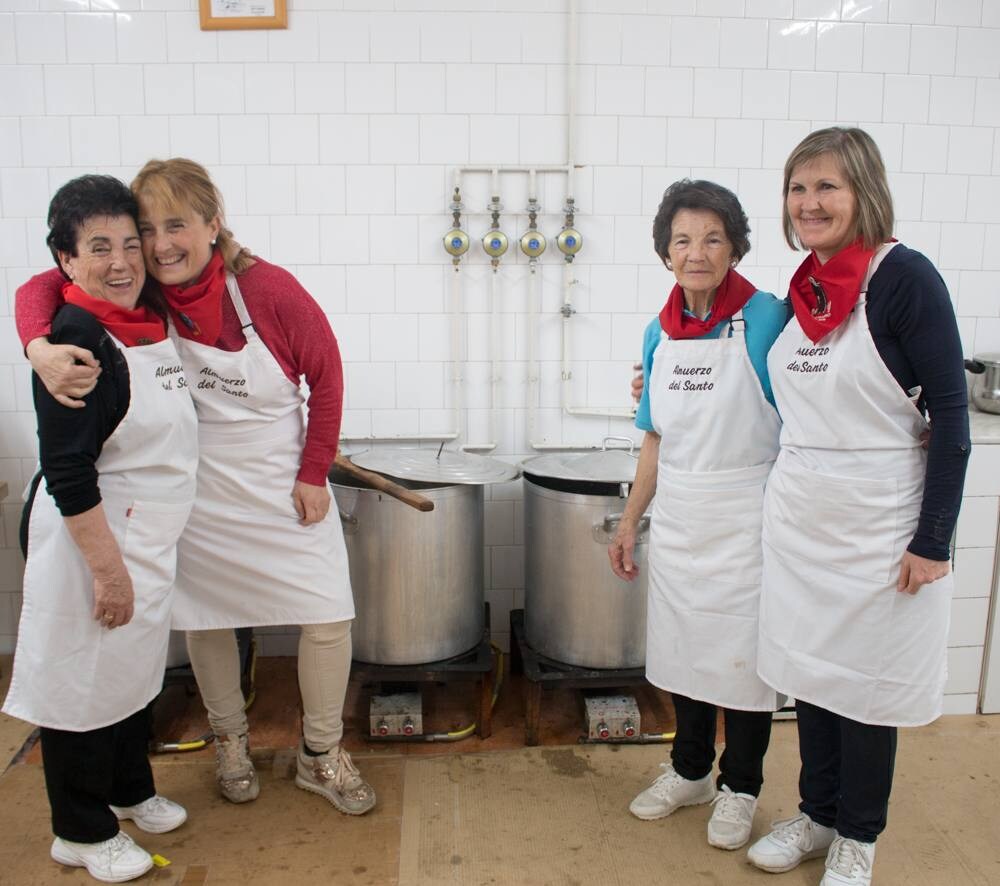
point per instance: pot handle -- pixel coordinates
(629, 440)
(976, 367)
(604, 531)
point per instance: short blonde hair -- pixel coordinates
(179, 184)
(861, 163)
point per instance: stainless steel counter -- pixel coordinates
(984, 426)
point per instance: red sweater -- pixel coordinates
(288, 321)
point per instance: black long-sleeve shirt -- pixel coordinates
(70, 440)
(913, 325)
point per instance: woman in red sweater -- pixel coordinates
(261, 546)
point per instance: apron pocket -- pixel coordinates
(149, 544)
(843, 524)
(714, 534)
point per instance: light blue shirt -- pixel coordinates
(764, 316)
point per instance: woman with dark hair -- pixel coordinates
(711, 438)
(101, 540)
(858, 518)
(262, 546)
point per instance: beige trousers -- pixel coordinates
(324, 669)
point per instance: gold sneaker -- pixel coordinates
(335, 777)
(234, 769)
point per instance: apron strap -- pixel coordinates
(246, 324)
(873, 266)
(740, 330)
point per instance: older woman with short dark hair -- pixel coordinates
(102, 540)
(711, 438)
(858, 517)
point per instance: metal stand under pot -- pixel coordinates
(417, 576)
(582, 627)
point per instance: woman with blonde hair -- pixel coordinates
(858, 517)
(261, 546)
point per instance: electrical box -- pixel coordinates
(612, 717)
(398, 714)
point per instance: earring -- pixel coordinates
(670, 267)
(212, 243)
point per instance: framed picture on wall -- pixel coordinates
(232, 15)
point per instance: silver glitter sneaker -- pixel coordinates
(234, 769)
(335, 777)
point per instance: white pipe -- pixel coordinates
(492, 343)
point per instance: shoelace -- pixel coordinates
(154, 804)
(789, 830)
(666, 782)
(234, 758)
(118, 844)
(345, 769)
(846, 856)
(729, 807)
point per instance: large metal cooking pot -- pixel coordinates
(986, 387)
(417, 576)
(576, 610)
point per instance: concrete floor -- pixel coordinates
(553, 815)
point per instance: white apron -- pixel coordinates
(71, 672)
(244, 560)
(842, 504)
(719, 440)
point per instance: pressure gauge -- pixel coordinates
(456, 242)
(495, 243)
(569, 241)
(532, 243)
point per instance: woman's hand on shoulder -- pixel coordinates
(68, 372)
(311, 502)
(114, 598)
(621, 549)
(915, 572)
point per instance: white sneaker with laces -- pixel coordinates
(731, 821)
(157, 815)
(791, 841)
(849, 863)
(670, 791)
(113, 861)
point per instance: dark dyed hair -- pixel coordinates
(83, 198)
(704, 195)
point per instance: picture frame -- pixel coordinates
(236, 15)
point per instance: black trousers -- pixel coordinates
(748, 733)
(87, 771)
(846, 774)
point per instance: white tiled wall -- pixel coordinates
(333, 142)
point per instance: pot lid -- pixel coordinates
(447, 466)
(603, 466)
(992, 358)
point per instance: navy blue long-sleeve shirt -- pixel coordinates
(913, 325)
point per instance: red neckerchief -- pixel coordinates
(197, 309)
(824, 295)
(139, 326)
(734, 291)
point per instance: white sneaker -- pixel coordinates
(670, 791)
(849, 863)
(234, 769)
(113, 861)
(731, 821)
(157, 815)
(790, 842)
